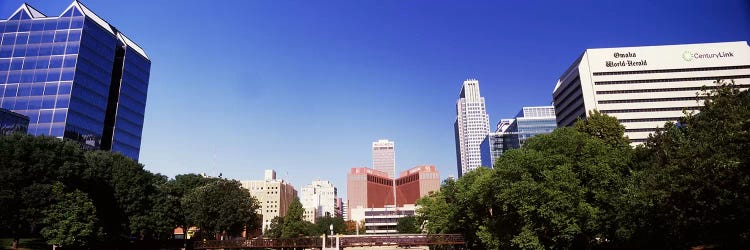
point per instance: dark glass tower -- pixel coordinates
(75, 76)
(12, 123)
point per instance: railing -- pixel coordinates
(401, 240)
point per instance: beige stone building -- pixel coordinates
(274, 196)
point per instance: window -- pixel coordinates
(613, 111)
(673, 79)
(670, 70)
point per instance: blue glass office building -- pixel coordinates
(512, 133)
(530, 121)
(75, 77)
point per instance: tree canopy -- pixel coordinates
(74, 197)
(585, 186)
(221, 206)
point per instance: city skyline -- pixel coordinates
(225, 93)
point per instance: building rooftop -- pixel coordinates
(25, 11)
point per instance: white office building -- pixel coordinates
(471, 127)
(384, 157)
(644, 87)
(319, 199)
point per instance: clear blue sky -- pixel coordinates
(304, 87)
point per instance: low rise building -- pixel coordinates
(384, 220)
(274, 196)
(371, 189)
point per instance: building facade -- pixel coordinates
(529, 122)
(471, 127)
(416, 183)
(367, 188)
(274, 196)
(345, 210)
(644, 87)
(11, 122)
(370, 189)
(494, 144)
(74, 76)
(512, 133)
(384, 157)
(319, 197)
(384, 220)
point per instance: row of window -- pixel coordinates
(36, 62)
(569, 109)
(658, 119)
(45, 24)
(41, 75)
(35, 102)
(40, 38)
(35, 89)
(670, 70)
(126, 137)
(629, 91)
(379, 180)
(641, 130)
(407, 179)
(685, 79)
(126, 150)
(613, 111)
(671, 99)
(570, 96)
(566, 86)
(50, 129)
(51, 49)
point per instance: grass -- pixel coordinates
(29, 243)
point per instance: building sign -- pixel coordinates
(625, 62)
(690, 56)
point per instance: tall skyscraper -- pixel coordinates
(384, 157)
(74, 76)
(471, 127)
(644, 87)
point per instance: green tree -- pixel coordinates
(221, 207)
(561, 190)
(694, 178)
(294, 225)
(28, 167)
(322, 225)
(604, 127)
(274, 229)
(435, 212)
(407, 225)
(169, 205)
(71, 220)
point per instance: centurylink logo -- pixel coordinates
(689, 55)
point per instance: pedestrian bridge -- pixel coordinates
(339, 242)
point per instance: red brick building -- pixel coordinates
(369, 188)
